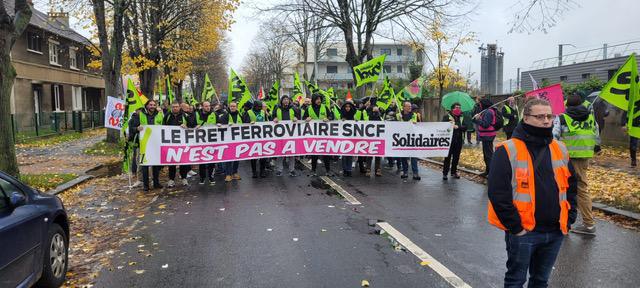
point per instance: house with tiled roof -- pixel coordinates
(53, 78)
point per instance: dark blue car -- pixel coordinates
(34, 236)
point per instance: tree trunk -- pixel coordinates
(8, 160)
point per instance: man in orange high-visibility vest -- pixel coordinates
(532, 196)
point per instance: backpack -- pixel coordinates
(499, 119)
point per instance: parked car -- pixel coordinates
(34, 236)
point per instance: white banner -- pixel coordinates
(113, 113)
(172, 145)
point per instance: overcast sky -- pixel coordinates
(591, 24)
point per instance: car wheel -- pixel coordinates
(56, 255)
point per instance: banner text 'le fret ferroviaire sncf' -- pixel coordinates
(172, 145)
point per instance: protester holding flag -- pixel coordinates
(318, 111)
(253, 115)
(578, 129)
(511, 116)
(176, 117)
(286, 112)
(147, 116)
(407, 115)
(206, 116)
(456, 117)
(231, 118)
(486, 120)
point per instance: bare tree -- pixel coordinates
(215, 64)
(359, 19)
(12, 24)
(269, 58)
(538, 15)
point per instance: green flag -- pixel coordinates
(273, 96)
(169, 89)
(413, 90)
(134, 102)
(238, 90)
(157, 89)
(208, 91)
(369, 71)
(386, 96)
(633, 112)
(616, 91)
(298, 92)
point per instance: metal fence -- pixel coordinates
(32, 125)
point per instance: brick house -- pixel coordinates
(51, 61)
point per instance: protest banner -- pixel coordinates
(171, 145)
(553, 94)
(114, 113)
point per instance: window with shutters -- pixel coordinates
(73, 58)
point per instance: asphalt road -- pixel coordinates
(285, 232)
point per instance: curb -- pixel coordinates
(77, 181)
(596, 205)
(69, 185)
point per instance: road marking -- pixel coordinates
(350, 199)
(436, 266)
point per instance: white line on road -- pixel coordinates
(350, 199)
(436, 266)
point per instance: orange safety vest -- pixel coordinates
(523, 183)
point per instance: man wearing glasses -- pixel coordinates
(532, 196)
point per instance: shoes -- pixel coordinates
(404, 176)
(634, 163)
(293, 174)
(191, 173)
(346, 173)
(237, 177)
(456, 176)
(228, 178)
(328, 173)
(484, 174)
(201, 182)
(416, 177)
(136, 184)
(145, 188)
(170, 184)
(254, 175)
(263, 174)
(378, 172)
(157, 186)
(444, 177)
(368, 173)
(278, 173)
(212, 181)
(185, 182)
(582, 229)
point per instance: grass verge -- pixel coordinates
(44, 182)
(104, 148)
(56, 139)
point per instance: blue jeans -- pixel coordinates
(347, 162)
(405, 165)
(534, 252)
(230, 168)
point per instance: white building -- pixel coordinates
(334, 71)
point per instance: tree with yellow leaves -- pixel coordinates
(171, 34)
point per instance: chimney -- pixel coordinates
(60, 16)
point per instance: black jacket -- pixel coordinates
(547, 210)
(348, 115)
(457, 133)
(174, 120)
(285, 110)
(134, 122)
